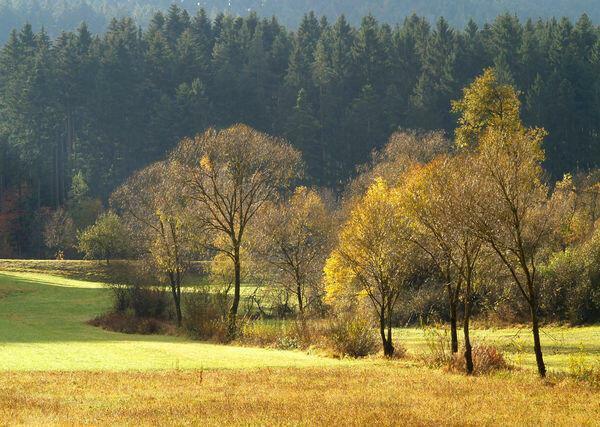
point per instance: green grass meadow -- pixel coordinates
(43, 328)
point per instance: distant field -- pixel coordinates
(84, 270)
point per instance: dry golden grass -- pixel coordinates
(377, 394)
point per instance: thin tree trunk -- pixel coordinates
(382, 332)
(390, 343)
(537, 346)
(236, 294)
(176, 291)
(56, 184)
(466, 319)
(177, 298)
(453, 321)
(388, 348)
(299, 295)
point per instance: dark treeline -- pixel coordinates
(100, 107)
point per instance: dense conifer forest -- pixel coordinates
(80, 112)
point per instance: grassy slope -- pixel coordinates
(42, 327)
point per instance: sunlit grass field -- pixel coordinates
(42, 328)
(561, 345)
(387, 394)
(57, 369)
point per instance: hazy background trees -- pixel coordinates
(67, 14)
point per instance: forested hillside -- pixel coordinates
(59, 15)
(80, 113)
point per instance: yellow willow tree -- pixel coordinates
(154, 212)
(508, 203)
(434, 198)
(291, 240)
(230, 175)
(375, 256)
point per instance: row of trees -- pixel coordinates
(486, 199)
(425, 214)
(101, 107)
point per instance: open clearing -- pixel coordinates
(42, 328)
(51, 362)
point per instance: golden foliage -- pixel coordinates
(290, 241)
(375, 255)
(486, 103)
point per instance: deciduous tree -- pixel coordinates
(508, 200)
(435, 198)
(486, 103)
(59, 232)
(105, 239)
(154, 211)
(375, 256)
(291, 241)
(231, 174)
(509, 210)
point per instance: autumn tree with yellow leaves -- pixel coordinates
(290, 242)
(375, 256)
(486, 103)
(434, 198)
(507, 203)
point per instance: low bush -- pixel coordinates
(263, 333)
(284, 335)
(129, 324)
(205, 315)
(352, 337)
(400, 351)
(149, 302)
(143, 301)
(310, 332)
(581, 369)
(486, 359)
(121, 297)
(439, 352)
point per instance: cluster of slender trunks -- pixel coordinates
(385, 324)
(468, 349)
